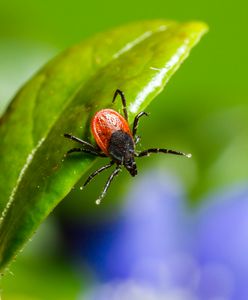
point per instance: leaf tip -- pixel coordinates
(199, 26)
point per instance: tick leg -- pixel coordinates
(158, 150)
(76, 139)
(89, 151)
(136, 122)
(123, 99)
(111, 177)
(96, 173)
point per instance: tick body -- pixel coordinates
(115, 140)
(104, 124)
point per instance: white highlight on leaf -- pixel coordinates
(157, 81)
(23, 170)
(155, 69)
(136, 41)
(130, 45)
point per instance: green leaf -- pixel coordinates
(138, 59)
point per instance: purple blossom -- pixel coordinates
(159, 249)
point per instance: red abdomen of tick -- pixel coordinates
(104, 123)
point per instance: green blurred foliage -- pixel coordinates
(41, 271)
(37, 279)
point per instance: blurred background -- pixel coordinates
(180, 229)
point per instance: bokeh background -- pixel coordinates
(180, 229)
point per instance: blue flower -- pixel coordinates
(159, 249)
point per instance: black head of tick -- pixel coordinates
(121, 150)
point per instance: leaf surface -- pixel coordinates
(139, 59)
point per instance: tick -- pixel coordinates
(116, 140)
